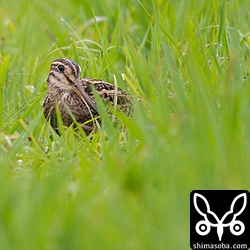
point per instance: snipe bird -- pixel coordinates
(74, 96)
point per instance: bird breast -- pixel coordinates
(67, 102)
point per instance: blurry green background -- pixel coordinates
(186, 66)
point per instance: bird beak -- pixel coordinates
(78, 89)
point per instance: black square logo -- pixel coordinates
(219, 219)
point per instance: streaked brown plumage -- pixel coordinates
(73, 94)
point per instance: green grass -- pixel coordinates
(185, 63)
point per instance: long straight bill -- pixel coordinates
(78, 89)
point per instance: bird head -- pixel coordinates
(65, 75)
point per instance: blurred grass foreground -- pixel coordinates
(186, 65)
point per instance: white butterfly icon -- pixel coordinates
(203, 227)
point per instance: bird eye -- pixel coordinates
(61, 68)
